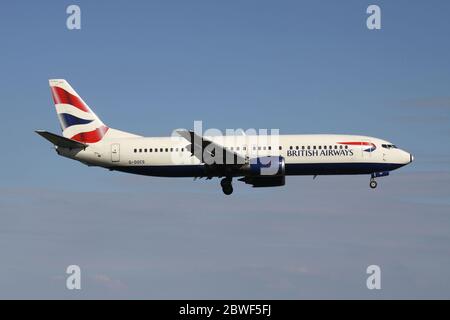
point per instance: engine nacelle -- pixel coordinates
(264, 181)
(265, 172)
(270, 166)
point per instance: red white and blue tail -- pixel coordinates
(78, 121)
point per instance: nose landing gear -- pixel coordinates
(373, 184)
(227, 188)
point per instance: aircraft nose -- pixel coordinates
(411, 158)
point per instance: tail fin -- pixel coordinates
(78, 121)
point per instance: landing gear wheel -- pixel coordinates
(373, 184)
(227, 188)
(225, 182)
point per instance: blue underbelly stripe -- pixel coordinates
(291, 169)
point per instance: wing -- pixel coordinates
(211, 153)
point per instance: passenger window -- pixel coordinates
(314, 147)
(296, 147)
(340, 147)
(145, 150)
(135, 150)
(237, 148)
(264, 148)
(320, 147)
(308, 147)
(290, 148)
(303, 147)
(244, 148)
(280, 148)
(270, 148)
(140, 150)
(335, 147)
(171, 149)
(161, 149)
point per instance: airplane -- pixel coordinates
(257, 160)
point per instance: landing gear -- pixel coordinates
(373, 183)
(227, 188)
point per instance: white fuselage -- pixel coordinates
(303, 154)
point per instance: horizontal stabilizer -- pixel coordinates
(61, 141)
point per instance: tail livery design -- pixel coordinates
(78, 121)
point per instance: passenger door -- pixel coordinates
(115, 152)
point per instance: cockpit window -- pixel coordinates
(389, 146)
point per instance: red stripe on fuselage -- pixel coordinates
(62, 96)
(91, 136)
(356, 143)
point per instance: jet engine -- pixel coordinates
(265, 172)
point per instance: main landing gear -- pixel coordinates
(373, 184)
(227, 188)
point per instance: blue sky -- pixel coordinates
(300, 66)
